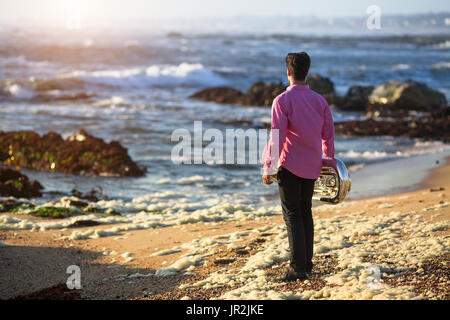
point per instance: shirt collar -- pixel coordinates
(298, 87)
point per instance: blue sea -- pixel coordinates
(133, 85)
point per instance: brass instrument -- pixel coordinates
(334, 183)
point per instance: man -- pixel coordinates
(304, 124)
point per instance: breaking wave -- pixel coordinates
(441, 66)
(184, 74)
(81, 82)
(418, 148)
(20, 61)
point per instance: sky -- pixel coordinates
(57, 12)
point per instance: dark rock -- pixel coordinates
(433, 126)
(93, 196)
(437, 189)
(78, 203)
(59, 84)
(396, 113)
(84, 223)
(11, 205)
(321, 85)
(3, 156)
(42, 98)
(219, 95)
(262, 94)
(223, 261)
(174, 34)
(15, 184)
(81, 153)
(409, 95)
(242, 252)
(356, 99)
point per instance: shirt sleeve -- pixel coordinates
(328, 134)
(274, 147)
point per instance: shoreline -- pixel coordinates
(373, 174)
(191, 260)
(433, 176)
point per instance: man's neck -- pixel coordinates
(297, 82)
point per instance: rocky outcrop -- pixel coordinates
(15, 184)
(392, 97)
(219, 95)
(3, 156)
(356, 99)
(433, 126)
(262, 94)
(92, 196)
(81, 153)
(409, 95)
(323, 86)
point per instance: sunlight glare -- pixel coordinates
(73, 14)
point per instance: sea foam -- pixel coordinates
(185, 74)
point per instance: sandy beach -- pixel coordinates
(385, 247)
(134, 137)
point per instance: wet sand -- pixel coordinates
(405, 236)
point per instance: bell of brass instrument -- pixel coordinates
(334, 183)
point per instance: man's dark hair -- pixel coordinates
(298, 65)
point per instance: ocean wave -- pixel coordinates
(366, 155)
(418, 148)
(400, 67)
(441, 66)
(20, 61)
(184, 74)
(442, 45)
(113, 101)
(20, 92)
(75, 86)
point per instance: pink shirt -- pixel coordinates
(305, 133)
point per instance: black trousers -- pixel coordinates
(296, 201)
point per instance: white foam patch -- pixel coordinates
(351, 239)
(191, 180)
(198, 250)
(165, 252)
(145, 220)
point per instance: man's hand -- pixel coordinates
(267, 180)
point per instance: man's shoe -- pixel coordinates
(309, 271)
(293, 275)
(309, 268)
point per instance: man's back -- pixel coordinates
(306, 131)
